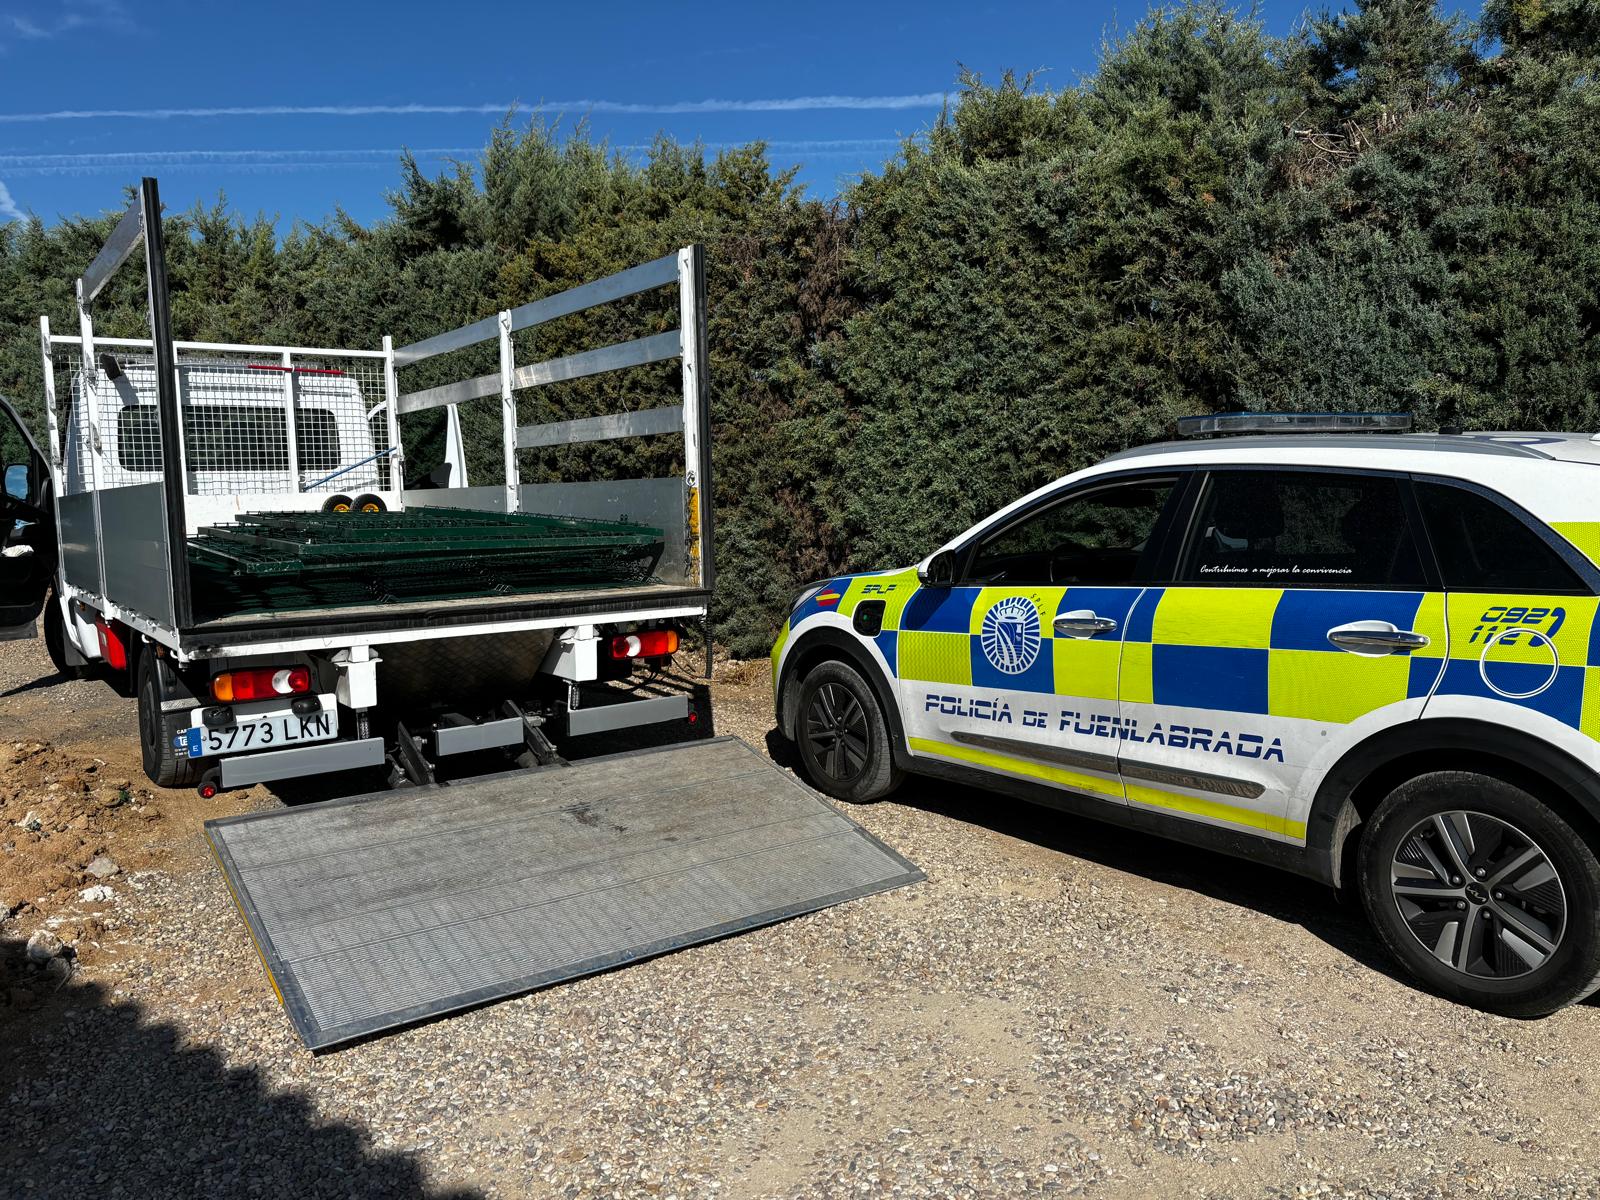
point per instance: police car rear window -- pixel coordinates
(1302, 529)
(1483, 547)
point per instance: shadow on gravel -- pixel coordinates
(98, 1101)
(35, 685)
(1267, 890)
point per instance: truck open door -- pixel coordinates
(27, 528)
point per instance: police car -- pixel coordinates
(1362, 654)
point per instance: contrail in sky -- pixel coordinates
(378, 156)
(782, 104)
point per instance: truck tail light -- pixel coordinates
(260, 683)
(647, 643)
(113, 650)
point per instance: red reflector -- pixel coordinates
(112, 649)
(260, 683)
(828, 598)
(647, 643)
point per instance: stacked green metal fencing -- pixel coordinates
(270, 562)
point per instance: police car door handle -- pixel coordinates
(1083, 622)
(1376, 638)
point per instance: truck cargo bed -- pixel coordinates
(275, 562)
(382, 910)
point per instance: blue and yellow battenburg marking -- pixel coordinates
(1245, 650)
(1262, 651)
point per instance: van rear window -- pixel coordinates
(230, 438)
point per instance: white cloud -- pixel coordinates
(26, 28)
(781, 104)
(62, 18)
(8, 207)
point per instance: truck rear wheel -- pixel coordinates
(843, 736)
(165, 766)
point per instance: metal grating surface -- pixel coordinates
(236, 413)
(381, 910)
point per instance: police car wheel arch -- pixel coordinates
(1519, 932)
(1369, 770)
(809, 651)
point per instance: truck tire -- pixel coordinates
(162, 762)
(55, 641)
(843, 736)
(1484, 892)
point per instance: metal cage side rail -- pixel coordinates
(140, 225)
(686, 268)
(164, 606)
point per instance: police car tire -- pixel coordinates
(162, 763)
(878, 776)
(1570, 973)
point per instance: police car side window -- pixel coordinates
(1091, 537)
(1482, 547)
(1302, 529)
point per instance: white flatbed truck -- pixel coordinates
(231, 530)
(234, 532)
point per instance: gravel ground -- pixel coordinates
(1061, 1008)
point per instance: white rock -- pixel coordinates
(102, 866)
(94, 895)
(31, 822)
(43, 946)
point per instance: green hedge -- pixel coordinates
(1389, 210)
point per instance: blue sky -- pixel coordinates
(95, 93)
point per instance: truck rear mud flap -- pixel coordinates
(377, 911)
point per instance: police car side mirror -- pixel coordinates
(938, 571)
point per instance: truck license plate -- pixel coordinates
(266, 731)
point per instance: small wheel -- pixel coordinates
(55, 640)
(368, 503)
(1484, 892)
(843, 736)
(337, 503)
(162, 762)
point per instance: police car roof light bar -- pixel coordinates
(1213, 424)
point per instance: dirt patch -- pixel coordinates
(63, 811)
(79, 822)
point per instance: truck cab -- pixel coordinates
(27, 527)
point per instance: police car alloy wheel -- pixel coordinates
(842, 735)
(1484, 892)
